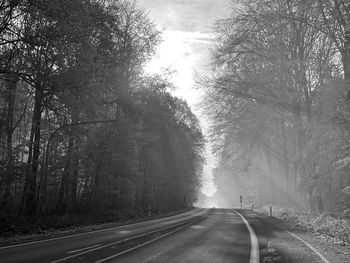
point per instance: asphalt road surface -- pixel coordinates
(201, 235)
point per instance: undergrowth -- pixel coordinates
(23, 229)
(331, 225)
(12, 226)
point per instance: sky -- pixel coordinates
(187, 27)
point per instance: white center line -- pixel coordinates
(254, 244)
(71, 252)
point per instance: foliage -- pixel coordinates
(332, 226)
(344, 201)
(277, 99)
(66, 68)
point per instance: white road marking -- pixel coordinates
(123, 232)
(144, 244)
(254, 244)
(192, 212)
(303, 241)
(85, 248)
(198, 227)
(117, 242)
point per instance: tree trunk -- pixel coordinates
(346, 54)
(75, 158)
(97, 179)
(312, 201)
(74, 178)
(65, 177)
(33, 158)
(11, 95)
(285, 154)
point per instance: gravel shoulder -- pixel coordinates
(283, 247)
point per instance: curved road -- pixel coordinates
(221, 237)
(201, 235)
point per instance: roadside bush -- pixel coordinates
(344, 199)
(280, 212)
(41, 224)
(334, 225)
(346, 213)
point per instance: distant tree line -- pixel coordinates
(279, 101)
(71, 75)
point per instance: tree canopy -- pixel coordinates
(82, 128)
(277, 98)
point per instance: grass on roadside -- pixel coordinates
(23, 230)
(329, 225)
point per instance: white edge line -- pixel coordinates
(195, 211)
(254, 243)
(144, 244)
(73, 251)
(114, 243)
(303, 241)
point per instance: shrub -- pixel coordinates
(344, 199)
(334, 225)
(346, 214)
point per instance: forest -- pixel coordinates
(278, 97)
(84, 132)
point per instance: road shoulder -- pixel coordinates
(283, 247)
(76, 230)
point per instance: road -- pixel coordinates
(201, 235)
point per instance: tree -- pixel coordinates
(85, 126)
(263, 95)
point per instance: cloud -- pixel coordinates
(198, 37)
(186, 15)
(183, 52)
